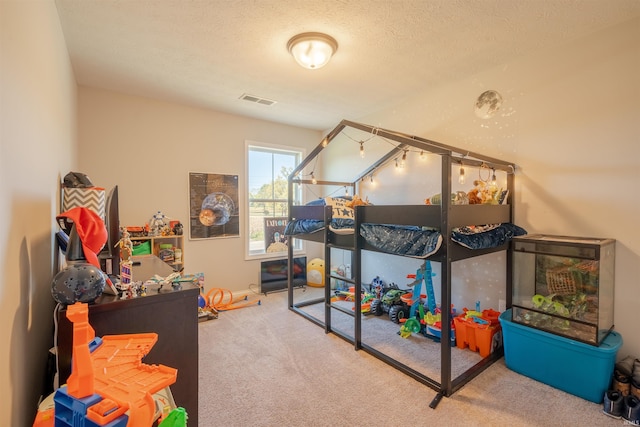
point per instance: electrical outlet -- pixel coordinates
(502, 305)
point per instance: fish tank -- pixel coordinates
(564, 285)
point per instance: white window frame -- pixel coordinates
(247, 218)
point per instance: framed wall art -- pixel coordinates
(213, 206)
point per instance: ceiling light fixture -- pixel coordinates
(312, 50)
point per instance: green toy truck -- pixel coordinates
(391, 302)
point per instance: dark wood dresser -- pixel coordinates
(171, 313)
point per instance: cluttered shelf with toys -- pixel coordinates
(160, 237)
(444, 230)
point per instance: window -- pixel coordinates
(268, 169)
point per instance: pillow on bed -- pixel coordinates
(339, 208)
(321, 201)
(342, 225)
(316, 202)
(486, 236)
(342, 216)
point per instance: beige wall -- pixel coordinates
(37, 147)
(148, 148)
(571, 122)
(571, 125)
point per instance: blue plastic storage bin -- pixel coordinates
(580, 369)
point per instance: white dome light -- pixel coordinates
(312, 50)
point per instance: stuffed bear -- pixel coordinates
(482, 193)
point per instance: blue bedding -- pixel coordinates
(303, 226)
(412, 241)
(409, 241)
(486, 236)
(307, 226)
(342, 221)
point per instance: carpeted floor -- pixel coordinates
(265, 365)
(418, 353)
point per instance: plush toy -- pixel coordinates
(482, 193)
(315, 273)
(457, 198)
(357, 201)
(474, 196)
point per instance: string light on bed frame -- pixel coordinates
(493, 177)
(313, 179)
(403, 161)
(361, 141)
(346, 191)
(461, 178)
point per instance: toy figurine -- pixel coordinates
(126, 251)
(126, 245)
(157, 223)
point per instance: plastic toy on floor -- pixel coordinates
(365, 299)
(218, 299)
(176, 418)
(425, 315)
(391, 303)
(109, 385)
(478, 330)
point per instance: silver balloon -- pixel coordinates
(488, 104)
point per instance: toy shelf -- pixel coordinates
(172, 254)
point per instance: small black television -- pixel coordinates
(274, 274)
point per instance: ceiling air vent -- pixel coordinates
(257, 99)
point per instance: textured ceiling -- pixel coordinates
(208, 53)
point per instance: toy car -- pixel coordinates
(391, 303)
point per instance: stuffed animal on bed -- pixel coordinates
(357, 201)
(457, 198)
(482, 193)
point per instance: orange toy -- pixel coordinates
(222, 300)
(113, 374)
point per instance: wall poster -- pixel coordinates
(213, 206)
(274, 237)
